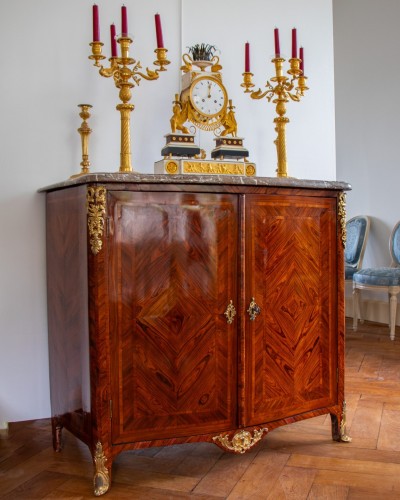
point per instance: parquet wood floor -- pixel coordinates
(298, 461)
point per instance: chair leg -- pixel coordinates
(356, 307)
(392, 314)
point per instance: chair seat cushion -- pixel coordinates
(381, 276)
(349, 271)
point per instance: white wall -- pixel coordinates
(46, 74)
(311, 149)
(367, 74)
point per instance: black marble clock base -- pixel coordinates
(229, 148)
(180, 145)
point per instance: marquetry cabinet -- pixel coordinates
(193, 308)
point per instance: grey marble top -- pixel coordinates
(135, 178)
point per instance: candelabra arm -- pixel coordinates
(256, 94)
(151, 74)
(259, 94)
(294, 97)
(107, 72)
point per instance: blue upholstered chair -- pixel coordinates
(357, 230)
(381, 279)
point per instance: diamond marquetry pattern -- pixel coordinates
(291, 246)
(184, 342)
(174, 264)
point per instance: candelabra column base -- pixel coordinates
(280, 142)
(125, 110)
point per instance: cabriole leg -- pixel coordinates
(56, 428)
(339, 432)
(101, 479)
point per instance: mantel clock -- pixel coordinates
(204, 103)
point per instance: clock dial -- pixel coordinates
(208, 96)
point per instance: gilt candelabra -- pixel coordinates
(127, 74)
(280, 92)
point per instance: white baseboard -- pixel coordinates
(3, 426)
(373, 310)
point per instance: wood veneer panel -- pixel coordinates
(173, 271)
(291, 347)
(67, 296)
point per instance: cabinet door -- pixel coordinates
(291, 355)
(173, 272)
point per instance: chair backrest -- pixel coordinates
(357, 235)
(394, 245)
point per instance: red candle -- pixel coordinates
(114, 49)
(247, 57)
(124, 22)
(294, 43)
(160, 41)
(276, 38)
(301, 55)
(96, 28)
